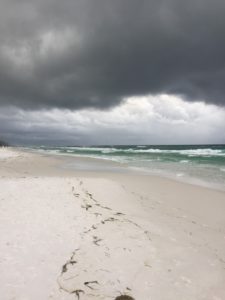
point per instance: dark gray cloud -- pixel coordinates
(80, 53)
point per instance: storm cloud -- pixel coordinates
(92, 54)
(138, 120)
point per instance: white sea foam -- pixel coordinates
(180, 174)
(206, 152)
(7, 153)
(91, 149)
(189, 152)
(201, 152)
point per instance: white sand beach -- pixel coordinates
(94, 235)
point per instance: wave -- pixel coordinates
(90, 149)
(197, 163)
(205, 152)
(188, 152)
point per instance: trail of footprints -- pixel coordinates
(98, 243)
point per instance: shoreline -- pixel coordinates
(96, 235)
(105, 166)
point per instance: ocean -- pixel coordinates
(198, 164)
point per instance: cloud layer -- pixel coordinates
(138, 120)
(78, 53)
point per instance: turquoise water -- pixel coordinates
(202, 164)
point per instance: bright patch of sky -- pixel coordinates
(159, 119)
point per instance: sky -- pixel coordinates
(84, 72)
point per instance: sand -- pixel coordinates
(95, 235)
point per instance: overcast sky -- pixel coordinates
(112, 71)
